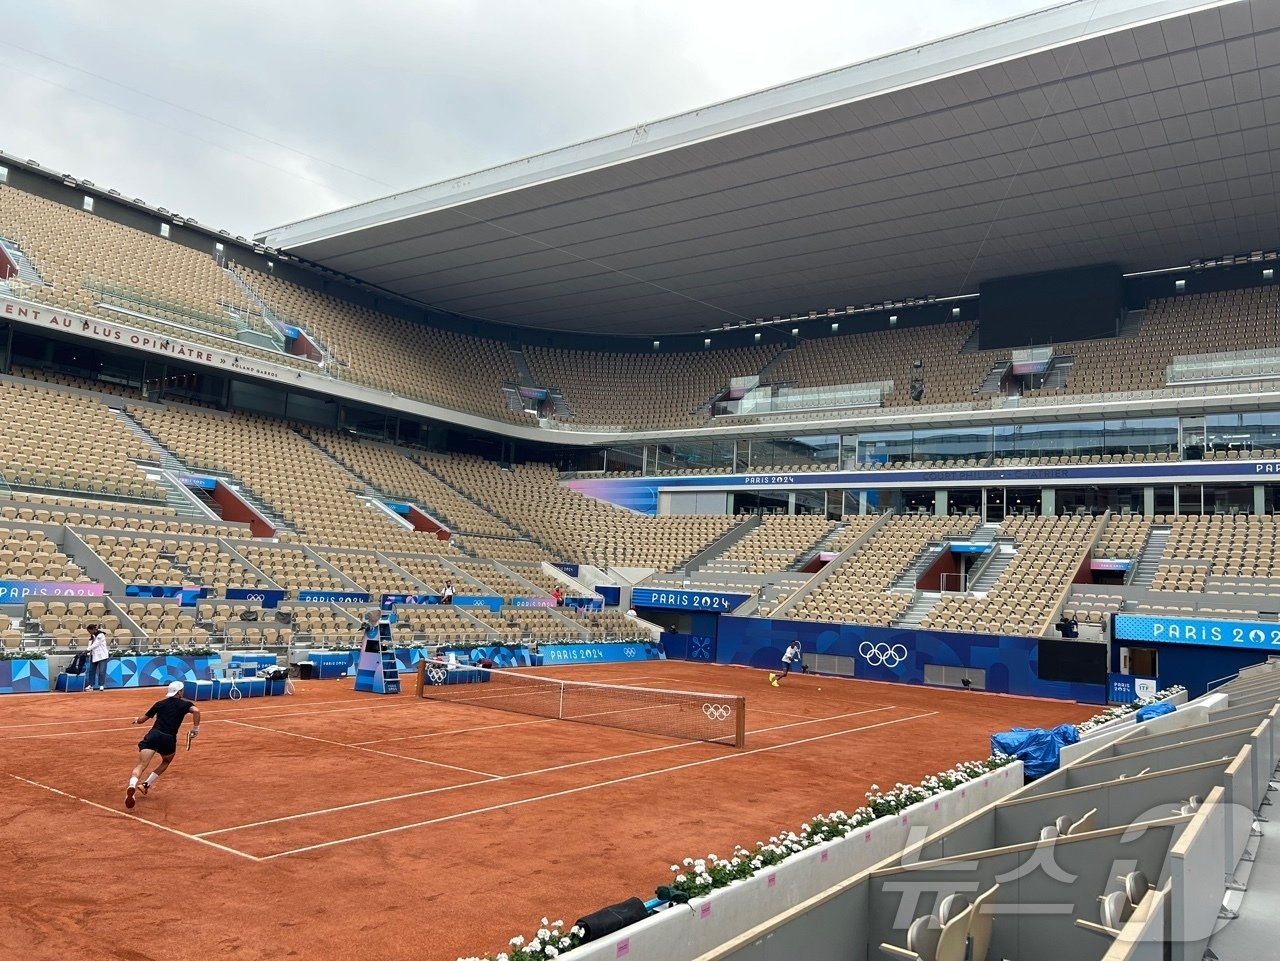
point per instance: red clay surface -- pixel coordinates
(334, 824)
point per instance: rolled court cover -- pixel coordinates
(687, 715)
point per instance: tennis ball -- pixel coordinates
(819, 689)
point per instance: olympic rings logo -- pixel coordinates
(437, 675)
(717, 712)
(882, 654)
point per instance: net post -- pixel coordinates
(740, 735)
(421, 681)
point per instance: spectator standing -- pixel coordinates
(95, 678)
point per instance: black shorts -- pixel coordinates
(165, 745)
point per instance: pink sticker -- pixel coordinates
(624, 948)
(823, 858)
(773, 881)
(705, 912)
(964, 791)
(904, 819)
(936, 805)
(867, 836)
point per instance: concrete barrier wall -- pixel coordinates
(684, 932)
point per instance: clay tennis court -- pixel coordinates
(334, 824)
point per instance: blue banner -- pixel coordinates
(187, 596)
(389, 601)
(266, 596)
(682, 600)
(398, 507)
(1245, 635)
(610, 594)
(533, 602)
(335, 597)
(971, 548)
(1127, 688)
(198, 480)
(493, 603)
(585, 603)
(570, 569)
(600, 653)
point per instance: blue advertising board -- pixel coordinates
(1203, 632)
(389, 601)
(683, 600)
(478, 600)
(601, 653)
(266, 596)
(335, 597)
(187, 596)
(896, 654)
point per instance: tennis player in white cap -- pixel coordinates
(162, 739)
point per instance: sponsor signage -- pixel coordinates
(1127, 688)
(570, 569)
(533, 602)
(480, 600)
(1203, 632)
(969, 548)
(267, 597)
(197, 480)
(1109, 564)
(335, 597)
(600, 653)
(682, 600)
(16, 591)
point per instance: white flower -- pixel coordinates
(545, 922)
(552, 952)
(517, 941)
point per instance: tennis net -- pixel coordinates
(688, 715)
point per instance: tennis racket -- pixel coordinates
(191, 736)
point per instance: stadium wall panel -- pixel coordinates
(897, 655)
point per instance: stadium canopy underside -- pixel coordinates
(1133, 132)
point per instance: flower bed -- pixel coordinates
(1124, 710)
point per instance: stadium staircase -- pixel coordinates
(1144, 572)
(1059, 373)
(990, 572)
(521, 364)
(163, 473)
(995, 377)
(716, 548)
(906, 581)
(806, 557)
(774, 362)
(1132, 323)
(28, 273)
(918, 609)
(480, 505)
(971, 344)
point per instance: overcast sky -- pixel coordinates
(247, 115)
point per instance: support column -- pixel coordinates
(1148, 500)
(1048, 501)
(940, 503)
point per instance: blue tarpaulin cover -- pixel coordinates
(1036, 748)
(1155, 710)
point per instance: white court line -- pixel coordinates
(514, 777)
(134, 817)
(583, 788)
(249, 710)
(368, 750)
(456, 730)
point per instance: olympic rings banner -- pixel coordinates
(900, 655)
(267, 597)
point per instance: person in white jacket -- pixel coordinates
(95, 678)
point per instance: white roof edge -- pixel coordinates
(1030, 33)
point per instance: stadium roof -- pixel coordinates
(1135, 132)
